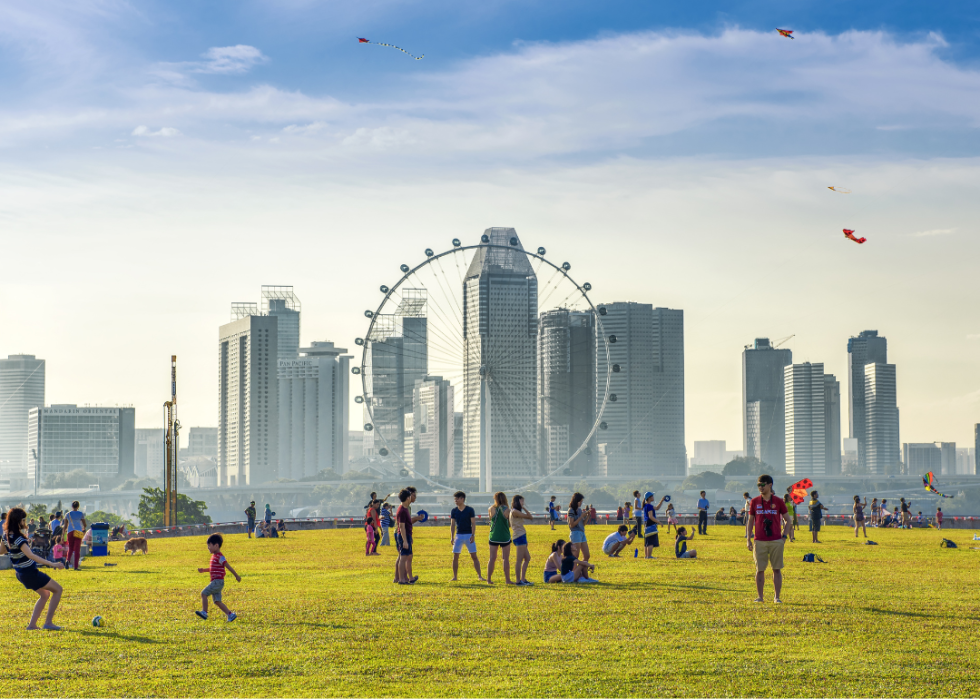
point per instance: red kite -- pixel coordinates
(842, 190)
(788, 33)
(849, 234)
(797, 491)
(378, 43)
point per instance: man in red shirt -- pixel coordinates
(769, 518)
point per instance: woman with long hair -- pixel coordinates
(518, 513)
(574, 570)
(24, 562)
(875, 512)
(576, 527)
(499, 536)
(859, 515)
(791, 511)
(553, 565)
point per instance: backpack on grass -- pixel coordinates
(946, 543)
(812, 557)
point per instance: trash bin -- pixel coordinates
(100, 539)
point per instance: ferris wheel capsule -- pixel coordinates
(602, 310)
(384, 289)
(368, 426)
(383, 451)
(612, 397)
(603, 425)
(428, 252)
(358, 399)
(565, 266)
(587, 286)
(404, 268)
(456, 242)
(355, 370)
(612, 339)
(369, 314)
(541, 251)
(513, 242)
(484, 238)
(616, 368)
(359, 342)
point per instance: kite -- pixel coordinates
(378, 43)
(797, 491)
(788, 33)
(849, 234)
(842, 190)
(929, 483)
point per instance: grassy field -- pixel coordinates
(318, 618)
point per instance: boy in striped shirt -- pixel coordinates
(217, 570)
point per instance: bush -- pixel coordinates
(152, 503)
(107, 517)
(745, 466)
(735, 487)
(73, 479)
(706, 480)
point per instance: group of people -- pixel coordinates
(264, 528)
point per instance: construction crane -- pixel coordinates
(172, 442)
(785, 339)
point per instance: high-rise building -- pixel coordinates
(150, 453)
(964, 461)
(314, 411)
(458, 442)
(669, 450)
(566, 389)
(882, 452)
(922, 457)
(399, 358)
(806, 438)
(282, 302)
(831, 402)
(500, 327)
(21, 388)
(248, 401)
(435, 426)
(202, 441)
(710, 453)
(866, 348)
(763, 404)
(65, 438)
(976, 449)
(947, 458)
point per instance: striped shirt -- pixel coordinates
(17, 557)
(217, 567)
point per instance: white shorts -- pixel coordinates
(464, 540)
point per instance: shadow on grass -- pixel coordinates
(314, 624)
(110, 634)
(694, 587)
(140, 572)
(898, 613)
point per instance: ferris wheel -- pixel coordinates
(485, 361)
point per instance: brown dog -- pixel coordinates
(134, 545)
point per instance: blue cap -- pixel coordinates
(647, 495)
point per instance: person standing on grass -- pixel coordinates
(217, 570)
(671, 517)
(373, 525)
(939, 518)
(883, 513)
(769, 522)
(638, 512)
(906, 515)
(386, 522)
(551, 512)
(651, 534)
(703, 513)
(617, 541)
(859, 515)
(462, 532)
(576, 526)
(75, 526)
(250, 515)
(816, 514)
(875, 510)
(24, 562)
(791, 510)
(499, 536)
(517, 516)
(403, 538)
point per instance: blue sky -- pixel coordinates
(216, 140)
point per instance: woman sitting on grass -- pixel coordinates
(553, 564)
(732, 516)
(680, 544)
(574, 570)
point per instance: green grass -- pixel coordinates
(318, 618)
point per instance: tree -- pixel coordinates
(107, 517)
(745, 466)
(734, 487)
(706, 480)
(78, 478)
(137, 484)
(152, 503)
(37, 511)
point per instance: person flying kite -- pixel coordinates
(797, 491)
(849, 234)
(929, 482)
(842, 190)
(788, 33)
(378, 43)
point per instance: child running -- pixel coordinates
(680, 544)
(671, 519)
(24, 562)
(217, 570)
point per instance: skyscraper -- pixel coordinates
(500, 327)
(763, 406)
(806, 439)
(66, 438)
(150, 457)
(831, 402)
(314, 411)
(399, 358)
(566, 393)
(644, 433)
(248, 401)
(280, 301)
(21, 388)
(976, 449)
(922, 457)
(435, 426)
(866, 348)
(882, 452)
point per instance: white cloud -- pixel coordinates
(305, 130)
(230, 59)
(166, 131)
(936, 231)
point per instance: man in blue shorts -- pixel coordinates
(462, 532)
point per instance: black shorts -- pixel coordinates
(815, 525)
(497, 543)
(32, 578)
(652, 540)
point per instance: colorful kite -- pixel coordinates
(788, 33)
(797, 491)
(378, 43)
(849, 234)
(929, 483)
(842, 190)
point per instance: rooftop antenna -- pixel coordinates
(171, 441)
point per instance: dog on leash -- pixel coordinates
(134, 545)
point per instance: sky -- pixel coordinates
(159, 160)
